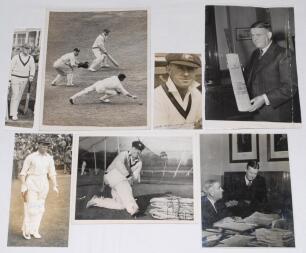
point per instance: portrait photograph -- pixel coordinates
(40, 191)
(120, 179)
(96, 69)
(251, 72)
(178, 91)
(23, 74)
(246, 203)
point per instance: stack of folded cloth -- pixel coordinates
(275, 237)
(171, 208)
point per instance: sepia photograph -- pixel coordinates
(178, 91)
(250, 72)
(245, 204)
(40, 191)
(134, 179)
(96, 69)
(23, 78)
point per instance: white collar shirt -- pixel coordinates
(110, 83)
(166, 115)
(100, 42)
(212, 203)
(69, 59)
(38, 164)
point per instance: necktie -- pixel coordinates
(249, 183)
(260, 53)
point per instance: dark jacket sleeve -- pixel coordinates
(288, 79)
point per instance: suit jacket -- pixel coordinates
(210, 215)
(273, 74)
(256, 194)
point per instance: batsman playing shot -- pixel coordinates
(100, 52)
(109, 87)
(119, 176)
(22, 72)
(65, 66)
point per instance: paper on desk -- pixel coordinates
(274, 237)
(261, 219)
(234, 225)
(238, 240)
(240, 90)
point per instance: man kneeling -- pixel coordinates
(120, 175)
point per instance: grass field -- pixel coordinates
(87, 186)
(55, 223)
(127, 44)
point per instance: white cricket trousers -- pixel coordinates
(18, 85)
(100, 59)
(34, 207)
(122, 194)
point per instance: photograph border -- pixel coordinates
(254, 153)
(44, 45)
(196, 178)
(275, 156)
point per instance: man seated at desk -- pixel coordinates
(213, 208)
(247, 194)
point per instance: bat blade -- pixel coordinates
(26, 106)
(112, 60)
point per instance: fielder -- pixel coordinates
(99, 50)
(22, 72)
(65, 65)
(120, 175)
(110, 87)
(35, 186)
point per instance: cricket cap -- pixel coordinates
(44, 142)
(26, 45)
(138, 145)
(191, 60)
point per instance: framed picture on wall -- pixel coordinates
(277, 147)
(243, 148)
(243, 34)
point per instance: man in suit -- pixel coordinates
(271, 78)
(247, 194)
(213, 209)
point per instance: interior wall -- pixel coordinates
(215, 157)
(244, 17)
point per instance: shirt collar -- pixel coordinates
(211, 200)
(247, 181)
(264, 50)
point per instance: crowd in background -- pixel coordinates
(60, 149)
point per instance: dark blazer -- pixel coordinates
(273, 74)
(209, 214)
(256, 194)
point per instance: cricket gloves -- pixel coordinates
(84, 65)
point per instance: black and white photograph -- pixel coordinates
(246, 204)
(251, 72)
(134, 179)
(96, 69)
(23, 78)
(178, 91)
(40, 191)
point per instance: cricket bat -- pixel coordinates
(26, 106)
(112, 60)
(7, 104)
(240, 90)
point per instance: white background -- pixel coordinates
(176, 26)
